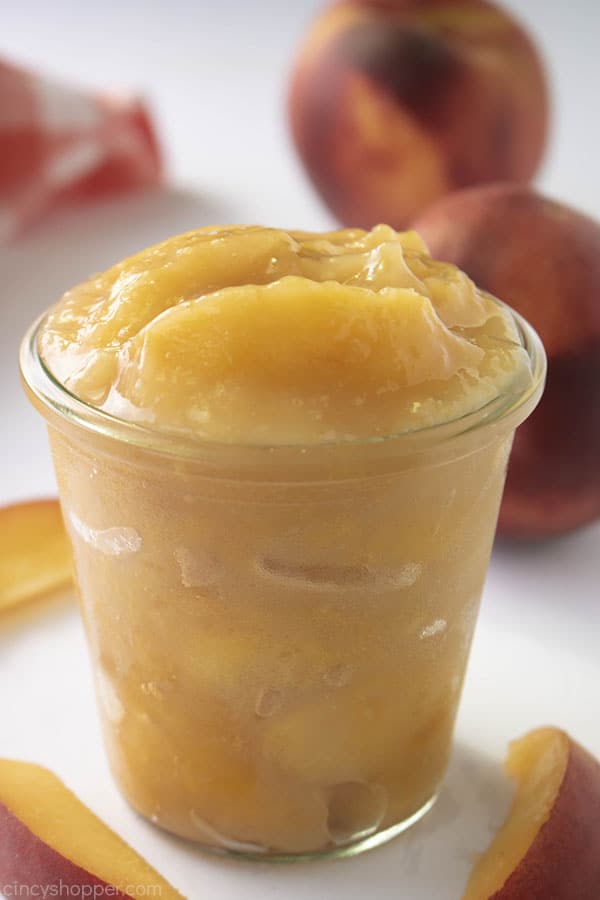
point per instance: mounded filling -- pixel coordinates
(258, 335)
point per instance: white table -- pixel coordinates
(216, 76)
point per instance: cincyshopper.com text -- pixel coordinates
(78, 891)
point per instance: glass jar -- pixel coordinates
(279, 635)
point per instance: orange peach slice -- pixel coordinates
(549, 846)
(34, 551)
(48, 838)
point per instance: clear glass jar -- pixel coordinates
(279, 635)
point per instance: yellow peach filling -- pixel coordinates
(278, 660)
(255, 335)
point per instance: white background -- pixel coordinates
(215, 74)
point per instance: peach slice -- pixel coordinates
(34, 552)
(48, 838)
(549, 846)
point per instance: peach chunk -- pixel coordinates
(549, 846)
(34, 552)
(48, 838)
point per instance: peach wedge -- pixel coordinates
(34, 551)
(549, 846)
(49, 839)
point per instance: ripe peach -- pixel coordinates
(549, 846)
(393, 103)
(544, 259)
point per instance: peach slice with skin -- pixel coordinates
(35, 558)
(48, 838)
(549, 845)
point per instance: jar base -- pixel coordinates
(352, 848)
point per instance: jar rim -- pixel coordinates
(56, 403)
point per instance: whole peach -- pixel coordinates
(544, 259)
(394, 103)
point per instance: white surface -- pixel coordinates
(216, 72)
